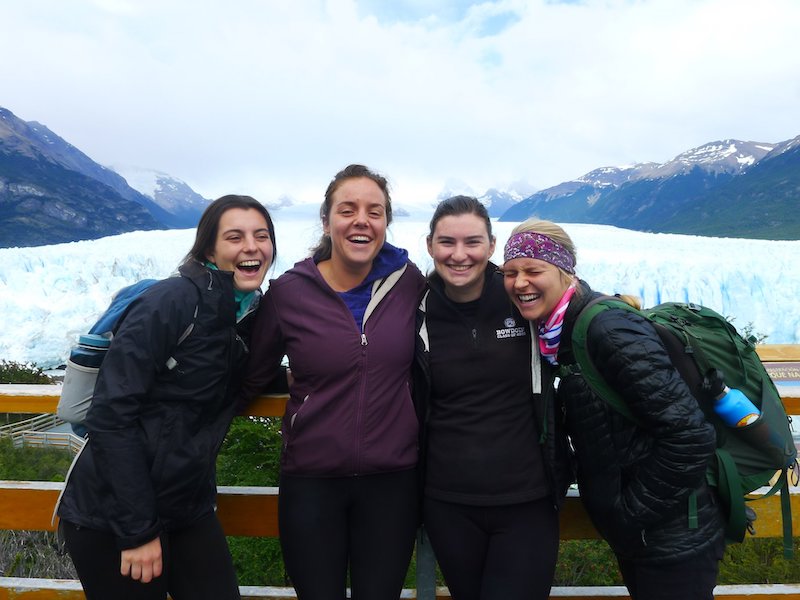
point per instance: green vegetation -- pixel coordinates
(250, 455)
(32, 464)
(31, 553)
(14, 372)
(586, 562)
(756, 560)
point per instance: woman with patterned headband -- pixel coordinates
(637, 479)
(495, 456)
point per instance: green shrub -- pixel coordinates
(33, 464)
(586, 562)
(250, 455)
(14, 372)
(759, 560)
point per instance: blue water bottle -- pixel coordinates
(733, 407)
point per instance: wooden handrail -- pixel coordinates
(46, 400)
(252, 511)
(34, 399)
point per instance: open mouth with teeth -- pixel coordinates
(524, 298)
(459, 267)
(359, 239)
(249, 266)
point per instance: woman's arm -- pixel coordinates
(264, 371)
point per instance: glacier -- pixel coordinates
(51, 294)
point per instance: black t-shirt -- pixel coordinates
(482, 442)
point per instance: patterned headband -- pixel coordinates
(528, 244)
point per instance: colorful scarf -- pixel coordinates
(550, 329)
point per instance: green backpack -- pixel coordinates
(699, 341)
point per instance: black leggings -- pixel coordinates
(367, 522)
(495, 552)
(197, 565)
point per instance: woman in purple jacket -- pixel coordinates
(345, 319)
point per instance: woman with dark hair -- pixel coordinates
(138, 511)
(496, 464)
(345, 319)
(643, 482)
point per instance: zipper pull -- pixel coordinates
(363, 339)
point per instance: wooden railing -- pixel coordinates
(252, 511)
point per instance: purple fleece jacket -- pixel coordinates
(350, 410)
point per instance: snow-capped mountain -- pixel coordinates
(52, 192)
(727, 188)
(496, 200)
(726, 156)
(170, 193)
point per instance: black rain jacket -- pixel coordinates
(154, 433)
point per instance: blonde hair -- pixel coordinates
(557, 234)
(634, 301)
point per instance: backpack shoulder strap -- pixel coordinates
(118, 306)
(585, 364)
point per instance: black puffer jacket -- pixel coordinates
(154, 434)
(636, 480)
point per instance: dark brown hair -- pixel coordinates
(461, 205)
(207, 228)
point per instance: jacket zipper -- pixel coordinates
(360, 405)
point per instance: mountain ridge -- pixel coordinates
(51, 192)
(726, 187)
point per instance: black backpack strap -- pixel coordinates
(786, 514)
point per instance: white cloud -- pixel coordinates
(274, 97)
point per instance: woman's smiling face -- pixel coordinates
(460, 247)
(243, 246)
(535, 286)
(356, 223)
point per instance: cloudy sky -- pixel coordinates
(271, 98)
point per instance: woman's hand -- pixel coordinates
(142, 563)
